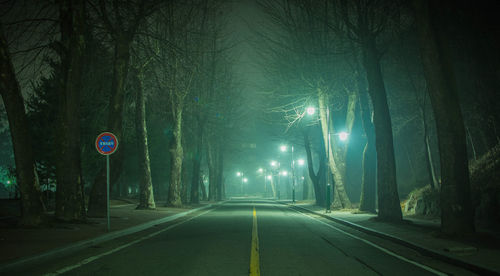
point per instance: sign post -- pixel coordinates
(106, 144)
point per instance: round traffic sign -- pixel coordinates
(106, 143)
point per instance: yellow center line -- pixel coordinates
(254, 253)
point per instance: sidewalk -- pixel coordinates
(23, 243)
(423, 235)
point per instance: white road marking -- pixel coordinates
(424, 267)
(93, 258)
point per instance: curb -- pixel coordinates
(66, 250)
(422, 250)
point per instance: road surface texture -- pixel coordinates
(246, 237)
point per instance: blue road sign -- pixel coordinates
(106, 143)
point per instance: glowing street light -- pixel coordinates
(245, 180)
(261, 170)
(283, 148)
(343, 136)
(301, 162)
(284, 173)
(273, 163)
(311, 110)
(238, 174)
(269, 177)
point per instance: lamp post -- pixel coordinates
(240, 174)
(278, 165)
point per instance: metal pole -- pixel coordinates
(107, 189)
(293, 178)
(328, 161)
(279, 180)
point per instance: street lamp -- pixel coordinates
(301, 162)
(283, 148)
(240, 174)
(311, 110)
(343, 136)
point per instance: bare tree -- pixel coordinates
(32, 207)
(70, 203)
(456, 209)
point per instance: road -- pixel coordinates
(233, 239)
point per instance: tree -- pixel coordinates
(121, 25)
(32, 207)
(456, 209)
(363, 22)
(70, 203)
(146, 196)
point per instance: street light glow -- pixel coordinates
(238, 174)
(283, 148)
(269, 177)
(284, 173)
(301, 162)
(245, 180)
(311, 110)
(261, 170)
(273, 163)
(343, 136)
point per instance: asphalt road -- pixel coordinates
(219, 241)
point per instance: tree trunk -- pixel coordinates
(456, 210)
(212, 172)
(319, 190)
(146, 195)
(69, 194)
(176, 156)
(185, 182)
(97, 200)
(220, 171)
(32, 207)
(195, 182)
(428, 156)
(368, 180)
(336, 156)
(388, 199)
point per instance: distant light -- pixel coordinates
(343, 136)
(301, 162)
(302, 178)
(269, 177)
(273, 163)
(284, 173)
(245, 180)
(261, 170)
(283, 148)
(8, 181)
(238, 174)
(311, 110)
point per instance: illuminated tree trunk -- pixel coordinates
(319, 188)
(456, 209)
(69, 195)
(146, 196)
(336, 158)
(176, 157)
(32, 207)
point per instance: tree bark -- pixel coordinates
(457, 216)
(319, 190)
(212, 179)
(368, 180)
(32, 207)
(336, 157)
(195, 182)
(176, 157)
(69, 194)
(146, 195)
(97, 200)
(388, 199)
